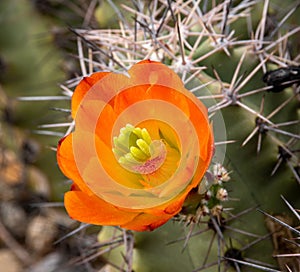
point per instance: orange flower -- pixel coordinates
(142, 142)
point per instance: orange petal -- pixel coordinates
(192, 107)
(84, 205)
(67, 163)
(105, 125)
(130, 96)
(168, 209)
(175, 206)
(93, 210)
(146, 222)
(151, 72)
(83, 87)
(204, 164)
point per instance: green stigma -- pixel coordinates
(137, 152)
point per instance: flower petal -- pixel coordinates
(129, 96)
(67, 163)
(112, 167)
(105, 124)
(104, 100)
(194, 109)
(83, 87)
(154, 73)
(146, 222)
(93, 210)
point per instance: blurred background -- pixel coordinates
(37, 53)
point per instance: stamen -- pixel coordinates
(143, 146)
(137, 152)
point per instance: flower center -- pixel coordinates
(137, 152)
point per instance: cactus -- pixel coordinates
(222, 52)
